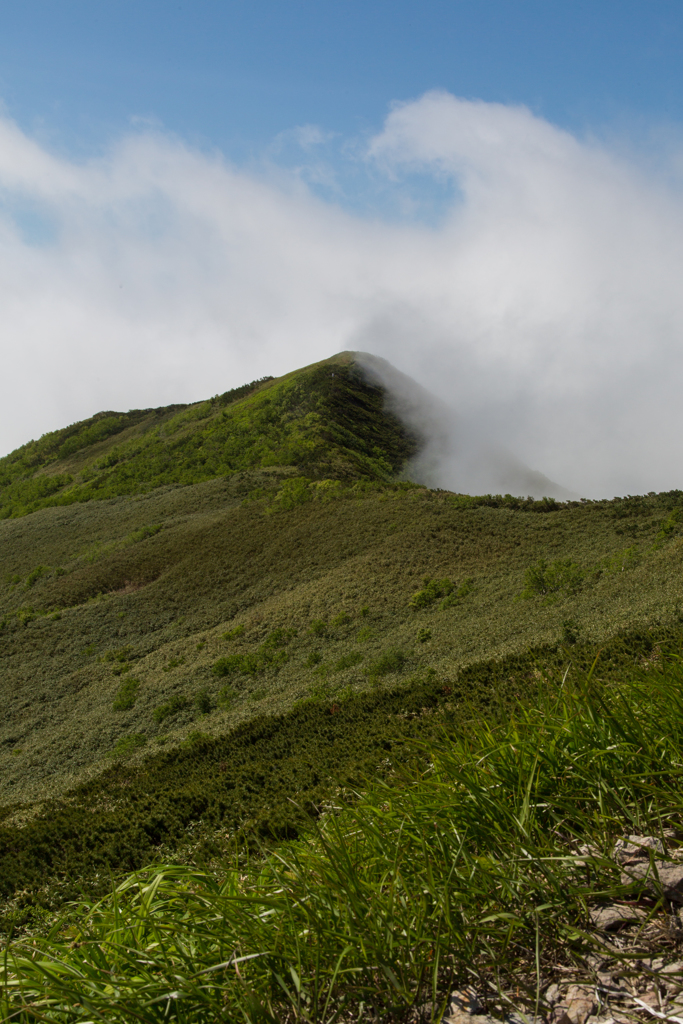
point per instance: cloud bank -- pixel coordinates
(545, 309)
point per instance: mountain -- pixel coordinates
(223, 625)
(326, 420)
(140, 548)
(214, 616)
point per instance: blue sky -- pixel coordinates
(234, 74)
(488, 193)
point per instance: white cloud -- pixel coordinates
(546, 307)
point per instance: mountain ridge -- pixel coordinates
(323, 420)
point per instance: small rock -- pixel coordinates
(672, 976)
(609, 919)
(464, 1008)
(463, 1017)
(664, 875)
(579, 1004)
(552, 994)
(674, 1010)
(650, 998)
(635, 848)
(465, 1000)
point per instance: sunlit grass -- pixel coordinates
(468, 871)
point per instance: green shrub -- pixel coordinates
(318, 627)
(314, 658)
(423, 635)
(143, 533)
(194, 738)
(121, 655)
(570, 632)
(431, 591)
(226, 698)
(203, 702)
(294, 492)
(456, 596)
(342, 619)
(233, 664)
(126, 695)
(36, 574)
(173, 663)
(277, 639)
(629, 558)
(176, 704)
(233, 634)
(390, 661)
(127, 745)
(348, 661)
(548, 578)
(671, 523)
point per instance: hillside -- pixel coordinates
(143, 593)
(327, 420)
(226, 617)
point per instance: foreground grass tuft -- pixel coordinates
(473, 870)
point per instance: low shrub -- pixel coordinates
(203, 702)
(143, 533)
(177, 703)
(431, 591)
(348, 661)
(173, 663)
(127, 745)
(457, 596)
(126, 695)
(36, 574)
(293, 493)
(233, 634)
(390, 661)
(549, 578)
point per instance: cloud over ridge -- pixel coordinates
(545, 307)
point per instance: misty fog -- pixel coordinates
(544, 308)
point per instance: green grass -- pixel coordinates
(259, 650)
(226, 572)
(266, 779)
(325, 420)
(471, 869)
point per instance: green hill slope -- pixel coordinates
(212, 581)
(325, 420)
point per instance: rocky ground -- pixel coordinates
(636, 970)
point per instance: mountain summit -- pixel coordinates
(349, 417)
(325, 420)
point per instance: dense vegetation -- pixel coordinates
(326, 421)
(257, 634)
(478, 863)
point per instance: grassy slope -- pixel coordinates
(160, 605)
(479, 869)
(324, 419)
(288, 552)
